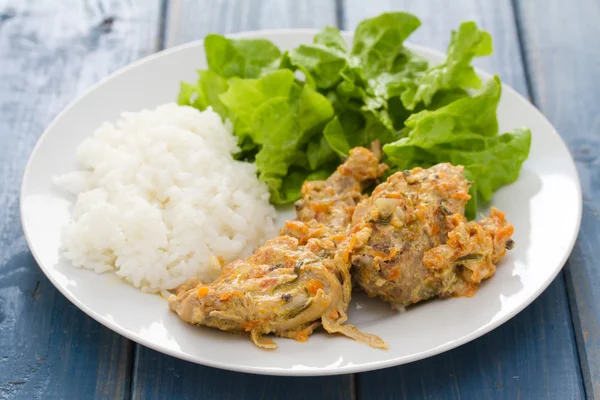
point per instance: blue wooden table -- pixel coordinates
(51, 51)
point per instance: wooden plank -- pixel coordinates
(50, 51)
(189, 20)
(159, 376)
(534, 354)
(522, 359)
(561, 50)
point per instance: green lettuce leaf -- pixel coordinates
(379, 41)
(205, 93)
(322, 64)
(336, 137)
(243, 58)
(465, 44)
(326, 61)
(468, 119)
(319, 153)
(286, 63)
(279, 116)
(355, 128)
(498, 163)
(494, 162)
(471, 207)
(378, 50)
(296, 128)
(331, 37)
(288, 188)
(464, 132)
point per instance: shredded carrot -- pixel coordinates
(394, 195)
(384, 256)
(495, 213)
(202, 291)
(337, 238)
(225, 296)
(460, 196)
(253, 324)
(268, 282)
(297, 226)
(228, 295)
(420, 214)
(394, 275)
(321, 206)
(302, 336)
(334, 314)
(435, 229)
(314, 285)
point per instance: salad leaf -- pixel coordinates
(331, 37)
(244, 58)
(495, 163)
(319, 153)
(379, 41)
(466, 119)
(298, 127)
(335, 135)
(288, 188)
(446, 96)
(498, 163)
(464, 132)
(351, 129)
(465, 44)
(286, 63)
(205, 93)
(327, 60)
(324, 65)
(471, 207)
(342, 75)
(279, 116)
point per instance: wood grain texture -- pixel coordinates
(50, 51)
(522, 359)
(534, 354)
(189, 20)
(561, 47)
(157, 375)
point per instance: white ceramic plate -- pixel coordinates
(544, 205)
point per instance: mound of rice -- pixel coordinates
(160, 198)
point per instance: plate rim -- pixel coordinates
(274, 371)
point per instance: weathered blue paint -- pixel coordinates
(561, 48)
(157, 376)
(49, 52)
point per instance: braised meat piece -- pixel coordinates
(418, 244)
(297, 281)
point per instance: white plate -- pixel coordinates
(544, 205)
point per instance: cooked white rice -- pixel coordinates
(160, 197)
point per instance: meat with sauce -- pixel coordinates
(416, 242)
(297, 281)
